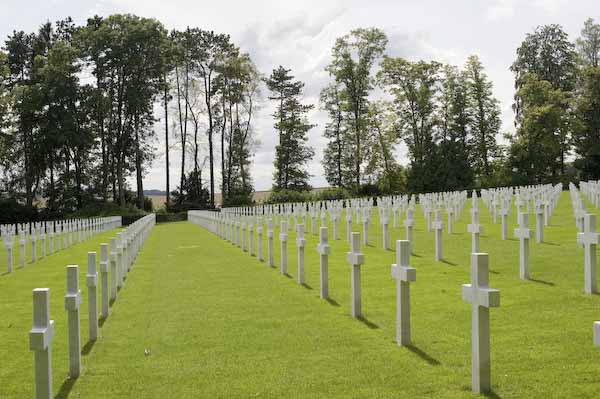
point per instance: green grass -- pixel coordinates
(220, 324)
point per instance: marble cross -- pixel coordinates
(300, 244)
(438, 226)
(104, 279)
(524, 234)
(324, 250)
(92, 282)
(348, 224)
(385, 224)
(9, 241)
(539, 223)
(259, 235)
(72, 304)
(504, 210)
(113, 269)
(355, 259)
(481, 298)
(270, 243)
(404, 275)
(283, 237)
(40, 342)
(409, 222)
(597, 333)
(251, 238)
(475, 228)
(589, 239)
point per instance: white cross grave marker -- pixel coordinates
(92, 282)
(72, 304)
(404, 275)
(524, 234)
(475, 228)
(40, 342)
(355, 259)
(300, 243)
(104, 279)
(438, 226)
(324, 250)
(482, 298)
(589, 239)
(283, 237)
(270, 243)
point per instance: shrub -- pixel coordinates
(282, 196)
(334, 193)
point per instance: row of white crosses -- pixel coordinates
(228, 226)
(477, 293)
(53, 236)
(42, 332)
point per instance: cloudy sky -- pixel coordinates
(300, 34)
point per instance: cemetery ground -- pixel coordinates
(198, 317)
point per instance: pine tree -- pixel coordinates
(291, 122)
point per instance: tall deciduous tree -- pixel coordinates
(588, 45)
(414, 87)
(354, 56)
(291, 122)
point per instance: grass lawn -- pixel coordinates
(200, 318)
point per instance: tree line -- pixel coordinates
(81, 108)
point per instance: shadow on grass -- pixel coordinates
(65, 388)
(101, 321)
(492, 395)
(287, 275)
(494, 272)
(535, 280)
(551, 243)
(416, 255)
(448, 262)
(367, 323)
(308, 287)
(87, 348)
(111, 302)
(419, 352)
(332, 302)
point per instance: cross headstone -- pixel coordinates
(104, 279)
(348, 224)
(504, 210)
(92, 282)
(324, 249)
(270, 243)
(33, 244)
(355, 259)
(539, 224)
(366, 222)
(524, 234)
(404, 275)
(72, 304)
(481, 298)
(597, 333)
(251, 238)
(113, 269)
(385, 234)
(438, 226)
(259, 233)
(40, 342)
(283, 237)
(589, 239)
(300, 243)
(475, 228)
(243, 236)
(9, 241)
(450, 214)
(22, 242)
(409, 222)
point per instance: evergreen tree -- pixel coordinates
(484, 112)
(293, 152)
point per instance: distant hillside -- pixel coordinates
(155, 192)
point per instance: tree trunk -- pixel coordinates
(166, 105)
(138, 164)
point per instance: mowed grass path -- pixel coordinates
(200, 318)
